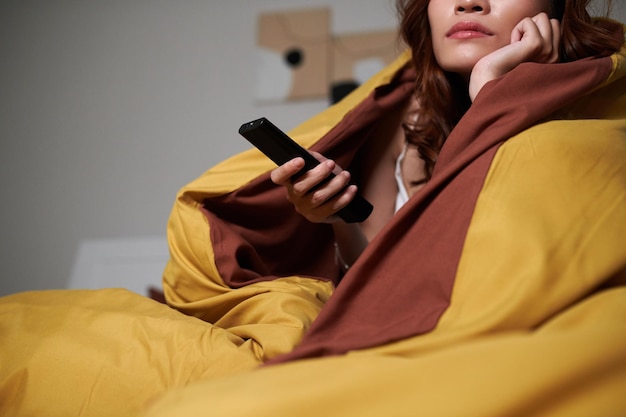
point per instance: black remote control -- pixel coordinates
(280, 148)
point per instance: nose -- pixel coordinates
(472, 6)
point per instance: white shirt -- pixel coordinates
(403, 194)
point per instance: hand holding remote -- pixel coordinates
(316, 191)
(319, 193)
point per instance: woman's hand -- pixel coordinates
(534, 39)
(312, 195)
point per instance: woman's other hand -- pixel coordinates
(534, 39)
(312, 194)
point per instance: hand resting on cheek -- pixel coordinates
(534, 39)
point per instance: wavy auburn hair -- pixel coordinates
(446, 93)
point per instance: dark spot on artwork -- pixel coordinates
(294, 57)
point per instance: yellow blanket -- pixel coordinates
(532, 321)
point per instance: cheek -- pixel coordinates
(434, 11)
(437, 33)
(435, 16)
(438, 48)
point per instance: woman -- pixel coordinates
(458, 46)
(496, 289)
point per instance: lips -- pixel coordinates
(467, 30)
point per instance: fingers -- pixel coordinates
(556, 38)
(537, 39)
(322, 158)
(324, 211)
(313, 194)
(320, 195)
(550, 37)
(313, 178)
(317, 197)
(282, 175)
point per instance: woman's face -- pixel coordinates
(463, 31)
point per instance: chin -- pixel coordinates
(461, 67)
(462, 59)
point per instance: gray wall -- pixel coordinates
(108, 107)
